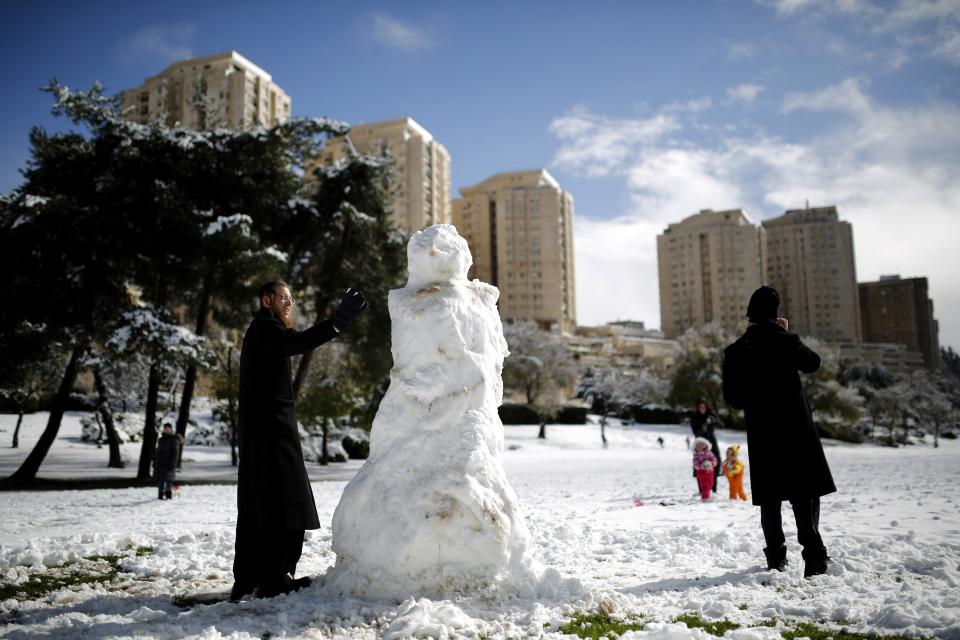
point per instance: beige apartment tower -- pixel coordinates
(239, 95)
(810, 262)
(709, 265)
(520, 230)
(420, 169)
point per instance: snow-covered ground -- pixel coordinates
(624, 521)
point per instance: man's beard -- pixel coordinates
(286, 320)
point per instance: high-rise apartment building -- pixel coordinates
(237, 94)
(420, 169)
(520, 230)
(709, 265)
(899, 311)
(810, 262)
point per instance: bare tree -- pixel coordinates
(540, 367)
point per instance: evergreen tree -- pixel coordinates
(346, 205)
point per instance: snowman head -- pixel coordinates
(437, 254)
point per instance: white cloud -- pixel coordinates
(163, 42)
(396, 34)
(848, 96)
(744, 92)
(598, 145)
(907, 29)
(741, 51)
(894, 173)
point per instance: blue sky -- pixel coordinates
(645, 111)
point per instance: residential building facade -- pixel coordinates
(709, 264)
(236, 94)
(899, 311)
(420, 169)
(520, 230)
(810, 262)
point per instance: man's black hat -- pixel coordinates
(764, 304)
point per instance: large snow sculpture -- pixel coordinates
(431, 512)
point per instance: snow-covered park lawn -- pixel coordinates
(624, 521)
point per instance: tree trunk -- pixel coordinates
(232, 410)
(103, 408)
(303, 369)
(190, 380)
(28, 470)
(149, 446)
(16, 432)
(324, 455)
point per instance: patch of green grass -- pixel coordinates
(42, 584)
(714, 627)
(898, 579)
(600, 625)
(772, 622)
(88, 570)
(742, 606)
(812, 631)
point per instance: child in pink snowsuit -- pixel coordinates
(704, 462)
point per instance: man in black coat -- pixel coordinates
(274, 499)
(760, 376)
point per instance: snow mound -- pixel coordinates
(431, 512)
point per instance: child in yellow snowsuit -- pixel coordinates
(733, 469)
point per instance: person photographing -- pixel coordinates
(761, 375)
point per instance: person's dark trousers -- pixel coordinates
(265, 554)
(806, 512)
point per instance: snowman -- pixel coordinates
(431, 512)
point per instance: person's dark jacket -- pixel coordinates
(703, 426)
(760, 376)
(273, 488)
(165, 458)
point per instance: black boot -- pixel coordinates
(161, 494)
(815, 562)
(169, 494)
(277, 586)
(776, 558)
(239, 590)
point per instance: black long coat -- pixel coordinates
(273, 490)
(165, 459)
(760, 376)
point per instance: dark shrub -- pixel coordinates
(517, 414)
(357, 444)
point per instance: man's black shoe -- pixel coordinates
(779, 564)
(816, 567)
(286, 584)
(239, 590)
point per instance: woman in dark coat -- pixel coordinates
(274, 499)
(760, 376)
(165, 462)
(703, 421)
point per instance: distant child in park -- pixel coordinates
(733, 469)
(165, 462)
(704, 463)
